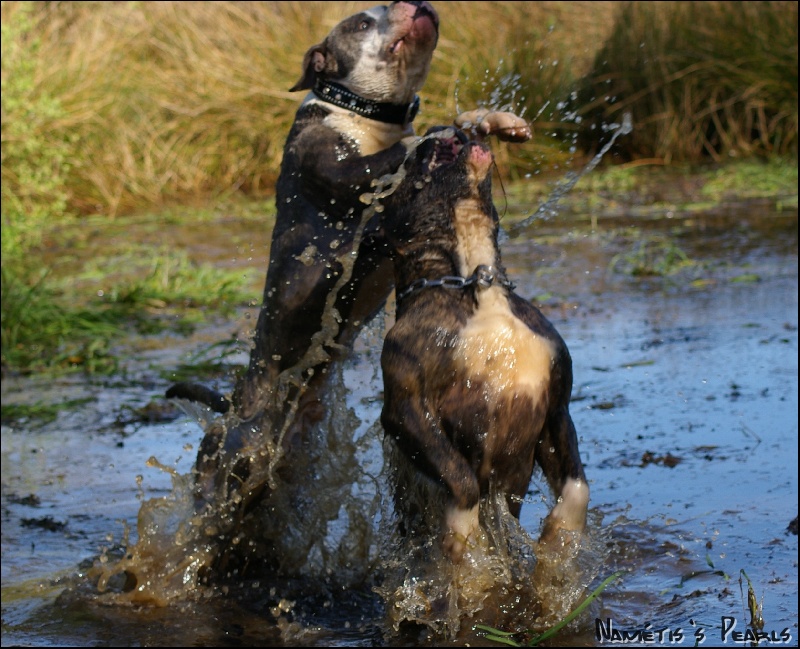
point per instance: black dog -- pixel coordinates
(348, 132)
(351, 129)
(476, 381)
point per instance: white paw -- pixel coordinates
(504, 125)
(570, 511)
(460, 524)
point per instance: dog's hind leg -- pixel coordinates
(420, 436)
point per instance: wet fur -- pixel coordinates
(331, 156)
(476, 380)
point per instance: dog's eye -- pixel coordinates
(364, 25)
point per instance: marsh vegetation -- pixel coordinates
(119, 113)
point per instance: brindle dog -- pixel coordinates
(477, 382)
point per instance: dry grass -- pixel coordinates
(702, 79)
(169, 101)
(134, 105)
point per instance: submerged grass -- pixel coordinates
(652, 256)
(646, 189)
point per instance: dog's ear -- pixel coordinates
(313, 64)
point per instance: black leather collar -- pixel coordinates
(337, 95)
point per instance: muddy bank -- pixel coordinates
(685, 400)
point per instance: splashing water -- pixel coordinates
(327, 517)
(548, 208)
(504, 579)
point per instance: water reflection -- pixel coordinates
(708, 375)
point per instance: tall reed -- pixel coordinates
(173, 101)
(133, 105)
(703, 80)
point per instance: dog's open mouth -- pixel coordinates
(454, 148)
(423, 26)
(445, 152)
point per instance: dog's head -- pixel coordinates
(382, 54)
(446, 173)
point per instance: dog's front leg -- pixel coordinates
(305, 254)
(333, 167)
(557, 454)
(421, 438)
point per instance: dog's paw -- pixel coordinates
(460, 524)
(569, 514)
(503, 125)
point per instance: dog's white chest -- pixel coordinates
(501, 352)
(495, 347)
(369, 136)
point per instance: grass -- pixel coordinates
(209, 362)
(650, 189)
(40, 331)
(41, 412)
(505, 637)
(114, 110)
(72, 314)
(711, 80)
(152, 103)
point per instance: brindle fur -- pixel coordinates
(461, 407)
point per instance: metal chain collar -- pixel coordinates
(483, 276)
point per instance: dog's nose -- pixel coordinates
(479, 159)
(424, 8)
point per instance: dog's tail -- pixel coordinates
(201, 394)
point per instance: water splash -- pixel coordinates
(505, 579)
(548, 208)
(327, 517)
(320, 502)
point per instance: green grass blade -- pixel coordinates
(504, 637)
(595, 593)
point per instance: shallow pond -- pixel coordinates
(685, 401)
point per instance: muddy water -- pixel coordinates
(685, 400)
